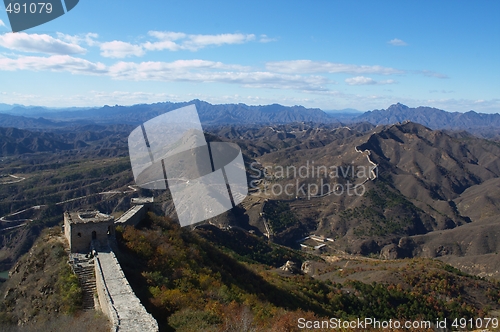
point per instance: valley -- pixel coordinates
(332, 208)
(414, 185)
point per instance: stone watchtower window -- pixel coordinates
(94, 235)
(79, 234)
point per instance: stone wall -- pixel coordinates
(80, 234)
(67, 228)
(105, 301)
(132, 216)
(117, 299)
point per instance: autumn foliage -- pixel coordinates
(196, 283)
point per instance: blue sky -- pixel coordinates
(327, 54)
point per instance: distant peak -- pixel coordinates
(398, 106)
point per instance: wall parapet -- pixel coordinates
(117, 299)
(105, 301)
(132, 216)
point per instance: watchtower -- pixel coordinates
(83, 227)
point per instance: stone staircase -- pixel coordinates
(84, 269)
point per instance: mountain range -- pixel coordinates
(433, 118)
(209, 114)
(486, 125)
(429, 182)
(433, 198)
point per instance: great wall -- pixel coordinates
(91, 237)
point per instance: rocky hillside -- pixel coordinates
(429, 184)
(43, 294)
(210, 279)
(89, 138)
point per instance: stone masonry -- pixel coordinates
(116, 298)
(82, 227)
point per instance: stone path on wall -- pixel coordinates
(84, 270)
(135, 214)
(129, 214)
(125, 310)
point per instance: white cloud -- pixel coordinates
(266, 39)
(167, 71)
(308, 66)
(397, 42)
(441, 91)
(361, 80)
(167, 41)
(87, 38)
(119, 49)
(162, 45)
(54, 63)
(430, 73)
(167, 35)
(199, 71)
(174, 41)
(2, 24)
(21, 41)
(196, 42)
(209, 71)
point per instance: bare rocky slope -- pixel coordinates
(435, 194)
